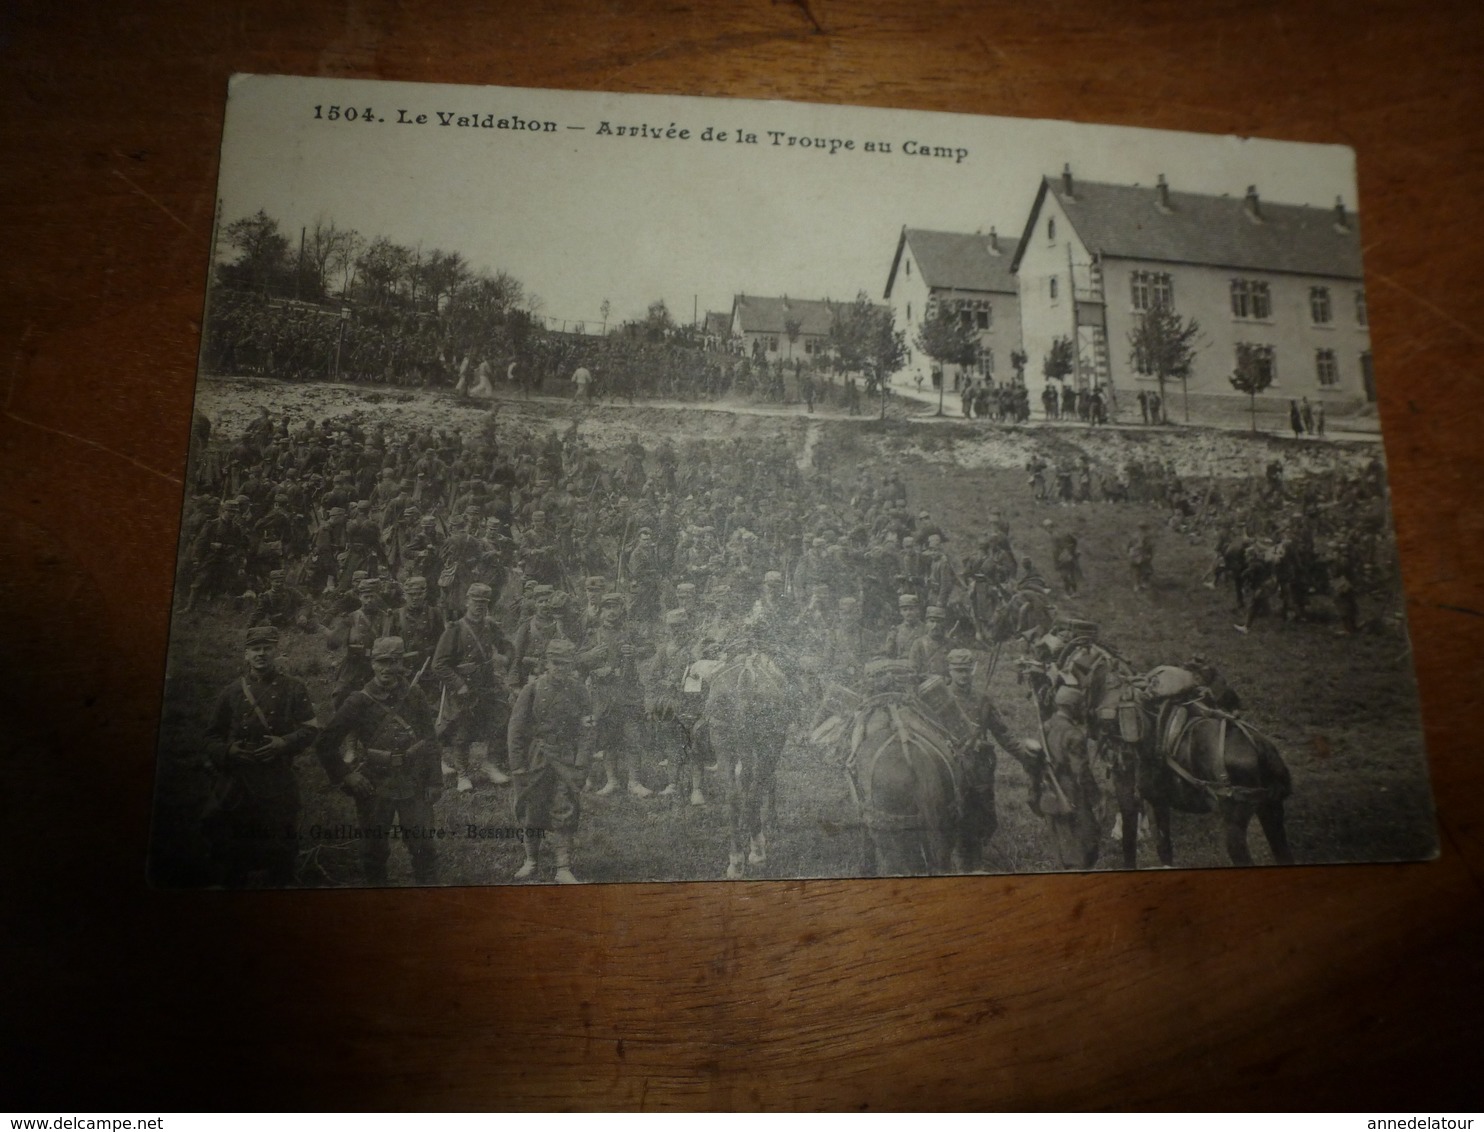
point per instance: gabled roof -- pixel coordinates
(761, 314)
(718, 323)
(960, 261)
(1128, 222)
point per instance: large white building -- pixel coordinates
(1277, 283)
(967, 274)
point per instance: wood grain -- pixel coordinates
(1348, 987)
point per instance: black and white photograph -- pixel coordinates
(595, 488)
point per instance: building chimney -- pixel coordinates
(1342, 224)
(994, 241)
(1163, 188)
(1066, 180)
(1253, 205)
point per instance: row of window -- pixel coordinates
(1251, 298)
(983, 363)
(973, 314)
(770, 344)
(1265, 360)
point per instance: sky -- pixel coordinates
(582, 215)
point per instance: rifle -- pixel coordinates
(621, 544)
(1061, 798)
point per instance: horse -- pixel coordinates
(1202, 760)
(907, 786)
(1178, 749)
(749, 707)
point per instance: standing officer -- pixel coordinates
(1071, 801)
(392, 772)
(1141, 558)
(670, 707)
(419, 622)
(551, 742)
(218, 556)
(978, 758)
(908, 630)
(929, 653)
(259, 724)
(470, 656)
(280, 605)
(356, 633)
(610, 662)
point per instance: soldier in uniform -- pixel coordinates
(324, 558)
(551, 743)
(929, 653)
(1070, 802)
(259, 724)
(1141, 558)
(610, 662)
(685, 598)
(392, 771)
(419, 622)
(847, 641)
(1068, 560)
(644, 572)
(899, 645)
(280, 605)
(588, 617)
(978, 759)
(218, 556)
(674, 716)
(272, 538)
(770, 623)
(356, 632)
(527, 654)
(471, 655)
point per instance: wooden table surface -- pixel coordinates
(1355, 987)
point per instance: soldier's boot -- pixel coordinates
(464, 767)
(696, 797)
(564, 874)
(528, 867)
(496, 776)
(637, 788)
(757, 850)
(611, 784)
(675, 765)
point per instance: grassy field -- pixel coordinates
(1343, 710)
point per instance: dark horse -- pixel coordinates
(1169, 745)
(749, 708)
(906, 783)
(1198, 759)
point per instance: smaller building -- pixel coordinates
(967, 274)
(716, 331)
(782, 328)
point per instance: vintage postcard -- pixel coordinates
(596, 488)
